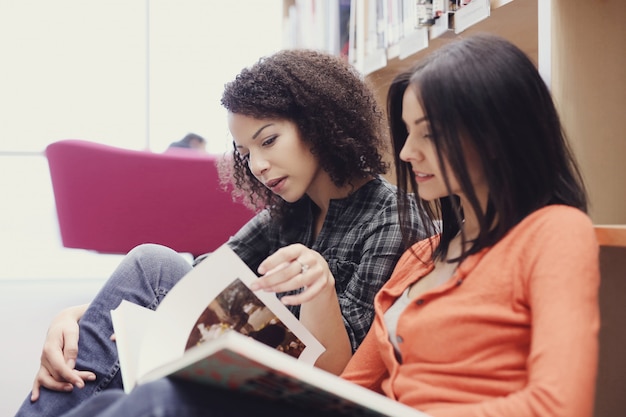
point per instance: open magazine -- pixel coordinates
(212, 299)
(211, 328)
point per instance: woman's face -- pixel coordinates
(276, 154)
(419, 151)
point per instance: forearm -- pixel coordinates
(322, 316)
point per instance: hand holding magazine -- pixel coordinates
(213, 329)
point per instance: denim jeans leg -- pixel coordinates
(143, 277)
(168, 397)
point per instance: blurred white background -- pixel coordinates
(130, 73)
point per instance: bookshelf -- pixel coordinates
(516, 21)
(369, 33)
(586, 68)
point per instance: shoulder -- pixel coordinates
(420, 252)
(377, 188)
(377, 197)
(380, 199)
(261, 220)
(554, 227)
(556, 218)
(414, 262)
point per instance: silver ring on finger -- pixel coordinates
(303, 267)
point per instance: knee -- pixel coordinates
(150, 256)
(151, 252)
(156, 263)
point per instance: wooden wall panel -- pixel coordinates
(588, 83)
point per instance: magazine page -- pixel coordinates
(129, 321)
(212, 299)
(241, 363)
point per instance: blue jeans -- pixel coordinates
(171, 398)
(144, 277)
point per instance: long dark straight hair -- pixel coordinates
(487, 91)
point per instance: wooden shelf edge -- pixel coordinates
(611, 234)
(497, 3)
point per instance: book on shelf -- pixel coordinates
(212, 329)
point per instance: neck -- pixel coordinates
(470, 226)
(325, 190)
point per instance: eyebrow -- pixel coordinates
(258, 132)
(417, 121)
(256, 135)
(420, 120)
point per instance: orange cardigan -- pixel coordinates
(514, 332)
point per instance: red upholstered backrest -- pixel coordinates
(110, 199)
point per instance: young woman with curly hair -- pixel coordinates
(307, 136)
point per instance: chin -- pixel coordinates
(292, 198)
(430, 196)
(289, 198)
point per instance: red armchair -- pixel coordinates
(110, 199)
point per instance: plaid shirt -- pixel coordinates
(360, 240)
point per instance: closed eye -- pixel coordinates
(269, 141)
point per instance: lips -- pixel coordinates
(421, 177)
(271, 184)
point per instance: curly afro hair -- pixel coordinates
(333, 108)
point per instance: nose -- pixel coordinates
(411, 151)
(258, 165)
